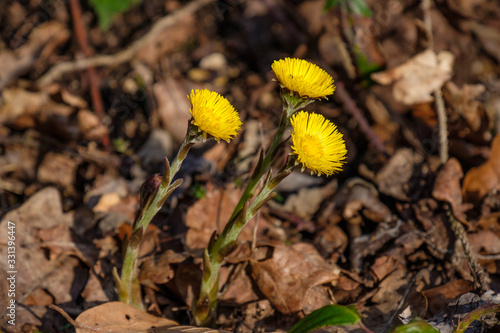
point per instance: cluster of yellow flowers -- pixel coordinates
(317, 143)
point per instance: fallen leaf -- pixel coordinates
(120, 318)
(308, 200)
(58, 169)
(480, 180)
(415, 80)
(465, 102)
(447, 188)
(484, 242)
(439, 297)
(173, 104)
(394, 178)
(60, 241)
(383, 266)
(211, 213)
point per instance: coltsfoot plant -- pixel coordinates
(316, 144)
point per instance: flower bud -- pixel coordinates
(149, 189)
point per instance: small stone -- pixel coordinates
(199, 74)
(214, 62)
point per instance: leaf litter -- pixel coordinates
(378, 236)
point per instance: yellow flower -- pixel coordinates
(214, 115)
(317, 143)
(303, 77)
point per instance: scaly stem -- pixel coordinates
(292, 104)
(128, 285)
(204, 310)
(160, 198)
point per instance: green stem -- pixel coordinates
(129, 271)
(262, 168)
(128, 284)
(205, 307)
(160, 198)
(292, 104)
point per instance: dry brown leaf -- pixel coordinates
(438, 298)
(435, 223)
(464, 101)
(238, 291)
(18, 102)
(484, 242)
(383, 266)
(415, 80)
(332, 239)
(58, 169)
(173, 104)
(98, 289)
(287, 277)
(308, 200)
(120, 318)
(392, 287)
(159, 271)
(212, 212)
(447, 187)
(484, 178)
(394, 177)
(60, 241)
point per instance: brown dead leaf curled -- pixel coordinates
(120, 318)
(415, 80)
(287, 277)
(439, 297)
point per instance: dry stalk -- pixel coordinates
(123, 56)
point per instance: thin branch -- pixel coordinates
(460, 234)
(126, 55)
(351, 106)
(81, 36)
(438, 96)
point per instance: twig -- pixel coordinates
(443, 126)
(477, 270)
(81, 36)
(126, 55)
(351, 106)
(438, 96)
(70, 320)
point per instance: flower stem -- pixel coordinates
(204, 309)
(127, 284)
(288, 110)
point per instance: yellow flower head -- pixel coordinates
(303, 77)
(214, 115)
(317, 143)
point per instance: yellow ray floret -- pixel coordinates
(214, 115)
(317, 143)
(303, 77)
